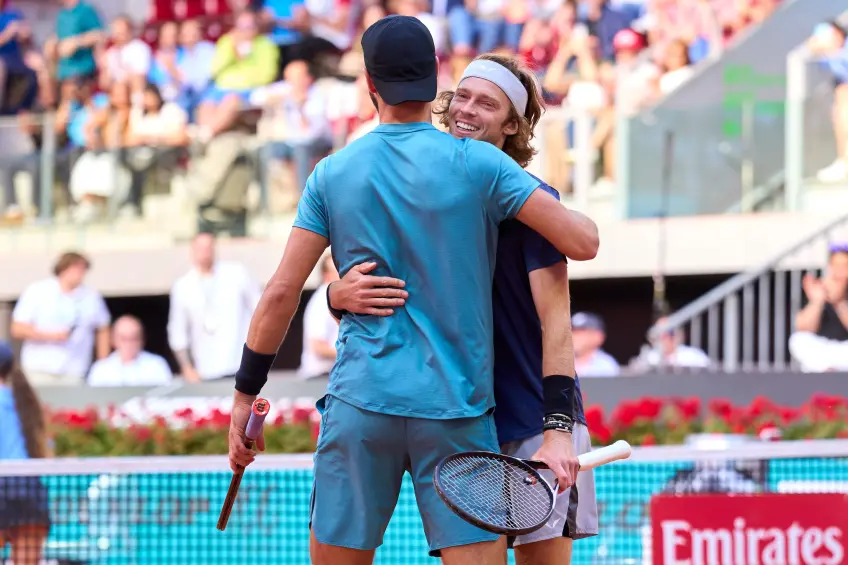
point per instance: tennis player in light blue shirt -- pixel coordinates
(412, 388)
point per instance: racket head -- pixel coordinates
(495, 492)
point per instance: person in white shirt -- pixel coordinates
(589, 334)
(669, 351)
(129, 364)
(320, 329)
(60, 320)
(308, 135)
(127, 60)
(210, 313)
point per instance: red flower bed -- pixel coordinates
(646, 421)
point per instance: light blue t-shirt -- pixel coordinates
(426, 207)
(12, 441)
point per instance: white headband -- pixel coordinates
(501, 77)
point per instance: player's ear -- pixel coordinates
(371, 88)
(510, 127)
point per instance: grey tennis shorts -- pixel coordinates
(576, 513)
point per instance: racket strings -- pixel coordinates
(496, 492)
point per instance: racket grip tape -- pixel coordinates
(619, 450)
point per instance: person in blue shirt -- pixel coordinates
(16, 76)
(410, 389)
(24, 515)
(498, 101)
(78, 31)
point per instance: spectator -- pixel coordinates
(127, 60)
(164, 70)
(60, 320)
(307, 132)
(129, 364)
(820, 341)
(544, 37)
(830, 45)
(97, 175)
(589, 335)
(331, 27)
(421, 9)
(366, 119)
(156, 136)
(286, 20)
(18, 83)
(78, 31)
(210, 312)
(194, 65)
(243, 61)
(24, 508)
(668, 351)
(320, 329)
(603, 21)
(639, 77)
(477, 25)
(677, 67)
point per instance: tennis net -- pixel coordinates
(788, 497)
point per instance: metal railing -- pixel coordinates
(745, 322)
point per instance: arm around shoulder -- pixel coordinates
(574, 235)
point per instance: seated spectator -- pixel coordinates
(129, 364)
(156, 136)
(477, 26)
(286, 22)
(194, 65)
(639, 77)
(668, 351)
(331, 28)
(59, 320)
(78, 31)
(588, 335)
(820, 341)
(320, 329)
(307, 135)
(243, 61)
(97, 176)
(164, 72)
(830, 45)
(18, 82)
(604, 20)
(127, 60)
(546, 36)
(676, 67)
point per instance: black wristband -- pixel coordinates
(337, 314)
(559, 393)
(253, 372)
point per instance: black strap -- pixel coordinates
(337, 314)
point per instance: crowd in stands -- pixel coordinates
(134, 97)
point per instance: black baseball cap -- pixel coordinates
(400, 58)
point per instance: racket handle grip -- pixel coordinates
(619, 450)
(257, 419)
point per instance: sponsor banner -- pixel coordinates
(757, 529)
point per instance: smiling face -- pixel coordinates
(480, 110)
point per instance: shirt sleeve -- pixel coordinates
(178, 324)
(99, 374)
(538, 251)
(102, 317)
(312, 208)
(162, 374)
(26, 309)
(507, 185)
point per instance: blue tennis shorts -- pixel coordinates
(359, 465)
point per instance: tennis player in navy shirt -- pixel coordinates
(531, 308)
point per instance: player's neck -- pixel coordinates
(407, 113)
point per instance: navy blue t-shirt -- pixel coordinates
(518, 332)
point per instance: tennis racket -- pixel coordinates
(254, 426)
(506, 495)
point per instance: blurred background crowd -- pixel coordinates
(142, 98)
(228, 102)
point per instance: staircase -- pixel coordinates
(745, 323)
